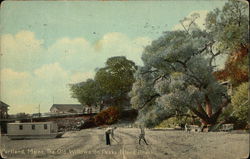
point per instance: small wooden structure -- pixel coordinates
(32, 130)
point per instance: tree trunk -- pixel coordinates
(208, 106)
(200, 109)
(207, 118)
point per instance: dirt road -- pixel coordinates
(90, 144)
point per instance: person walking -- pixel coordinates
(142, 136)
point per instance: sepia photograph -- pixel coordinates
(124, 79)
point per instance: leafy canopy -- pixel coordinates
(177, 77)
(88, 92)
(116, 79)
(229, 26)
(110, 85)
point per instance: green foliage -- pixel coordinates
(176, 120)
(237, 111)
(108, 116)
(87, 93)
(172, 122)
(229, 26)
(116, 79)
(227, 115)
(240, 102)
(110, 85)
(176, 77)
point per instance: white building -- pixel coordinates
(32, 130)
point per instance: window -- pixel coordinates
(33, 127)
(20, 127)
(45, 126)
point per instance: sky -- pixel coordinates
(47, 45)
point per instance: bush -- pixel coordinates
(90, 123)
(108, 116)
(178, 121)
(227, 115)
(240, 104)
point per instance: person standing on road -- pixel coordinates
(109, 131)
(142, 136)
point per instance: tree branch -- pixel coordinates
(192, 22)
(199, 114)
(213, 56)
(184, 27)
(200, 108)
(149, 71)
(149, 100)
(156, 79)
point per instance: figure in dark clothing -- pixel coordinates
(142, 136)
(109, 131)
(107, 138)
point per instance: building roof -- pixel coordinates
(2, 104)
(31, 123)
(67, 107)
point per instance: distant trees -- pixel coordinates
(110, 85)
(88, 92)
(116, 79)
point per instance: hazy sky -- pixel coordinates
(47, 45)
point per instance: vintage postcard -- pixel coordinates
(124, 79)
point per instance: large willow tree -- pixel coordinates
(177, 76)
(178, 72)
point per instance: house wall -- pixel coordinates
(13, 129)
(53, 128)
(54, 110)
(3, 112)
(93, 109)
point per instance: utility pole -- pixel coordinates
(39, 114)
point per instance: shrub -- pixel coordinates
(178, 121)
(240, 104)
(89, 123)
(108, 116)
